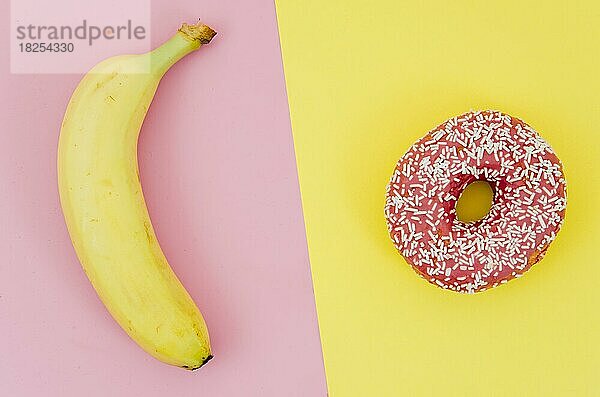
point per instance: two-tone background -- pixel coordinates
(264, 160)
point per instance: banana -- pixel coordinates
(104, 208)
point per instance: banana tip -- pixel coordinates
(201, 32)
(207, 359)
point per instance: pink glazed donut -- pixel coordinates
(528, 209)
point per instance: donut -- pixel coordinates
(527, 212)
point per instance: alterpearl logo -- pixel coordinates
(69, 36)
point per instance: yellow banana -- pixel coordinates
(104, 207)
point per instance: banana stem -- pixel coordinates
(187, 39)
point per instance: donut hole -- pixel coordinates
(474, 202)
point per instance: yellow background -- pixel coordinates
(366, 79)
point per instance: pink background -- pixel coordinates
(219, 174)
